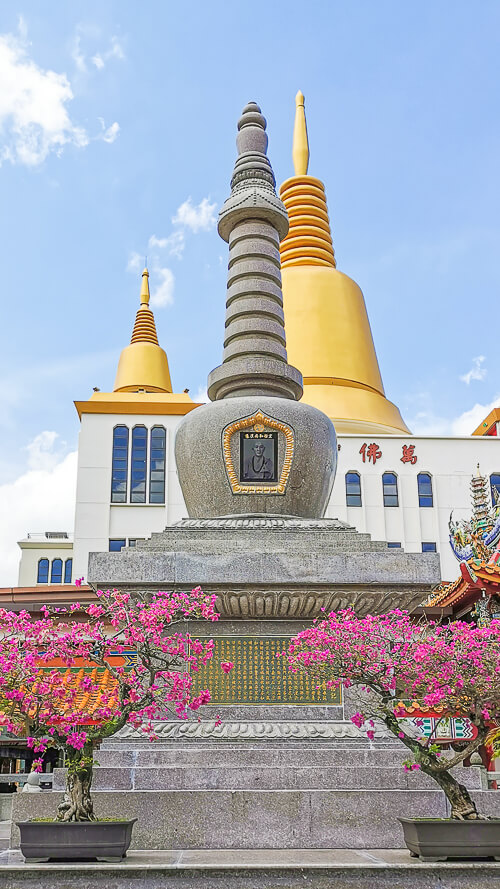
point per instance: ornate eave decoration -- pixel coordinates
(259, 422)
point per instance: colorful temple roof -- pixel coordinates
(475, 576)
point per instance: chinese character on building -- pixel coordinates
(408, 455)
(370, 452)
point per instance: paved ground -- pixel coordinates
(252, 858)
(252, 869)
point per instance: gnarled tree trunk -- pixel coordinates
(77, 804)
(462, 806)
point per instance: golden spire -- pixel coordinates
(328, 333)
(144, 328)
(143, 364)
(309, 240)
(300, 151)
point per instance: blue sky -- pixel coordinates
(114, 115)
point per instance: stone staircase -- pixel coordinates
(203, 768)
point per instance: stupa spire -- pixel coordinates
(253, 220)
(300, 150)
(143, 364)
(309, 239)
(328, 331)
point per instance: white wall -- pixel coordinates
(97, 520)
(33, 550)
(450, 461)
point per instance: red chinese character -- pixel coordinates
(408, 455)
(370, 452)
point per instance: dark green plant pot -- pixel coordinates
(76, 840)
(436, 839)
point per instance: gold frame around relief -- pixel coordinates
(258, 419)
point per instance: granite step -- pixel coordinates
(239, 756)
(263, 778)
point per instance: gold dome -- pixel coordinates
(328, 333)
(143, 365)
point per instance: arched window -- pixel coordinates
(157, 468)
(68, 570)
(43, 571)
(119, 465)
(56, 571)
(138, 461)
(495, 487)
(352, 489)
(390, 489)
(424, 482)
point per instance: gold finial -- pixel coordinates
(145, 288)
(300, 150)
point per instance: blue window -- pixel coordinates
(352, 489)
(495, 487)
(394, 545)
(56, 571)
(424, 482)
(157, 468)
(429, 547)
(68, 570)
(138, 468)
(43, 571)
(119, 465)
(390, 489)
(116, 546)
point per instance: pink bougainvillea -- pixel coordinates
(51, 671)
(389, 662)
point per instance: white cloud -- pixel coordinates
(201, 395)
(34, 119)
(425, 422)
(98, 59)
(77, 54)
(41, 451)
(477, 371)
(199, 217)
(41, 499)
(188, 216)
(163, 292)
(109, 134)
(135, 262)
(174, 244)
(470, 420)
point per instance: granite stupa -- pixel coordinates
(267, 452)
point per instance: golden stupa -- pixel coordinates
(142, 384)
(328, 334)
(143, 365)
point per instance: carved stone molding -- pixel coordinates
(309, 603)
(258, 731)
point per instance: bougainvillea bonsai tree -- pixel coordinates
(389, 661)
(65, 683)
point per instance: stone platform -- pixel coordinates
(263, 567)
(260, 869)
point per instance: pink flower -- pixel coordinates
(370, 734)
(227, 666)
(78, 581)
